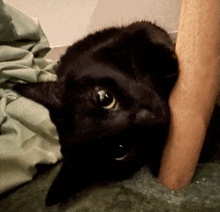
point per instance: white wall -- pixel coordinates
(65, 21)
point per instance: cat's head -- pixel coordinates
(109, 104)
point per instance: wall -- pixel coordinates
(68, 20)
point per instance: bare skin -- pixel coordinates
(193, 97)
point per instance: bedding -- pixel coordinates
(27, 136)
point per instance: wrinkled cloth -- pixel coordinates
(27, 136)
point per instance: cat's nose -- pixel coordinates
(144, 116)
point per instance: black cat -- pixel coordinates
(110, 105)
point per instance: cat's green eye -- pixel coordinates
(105, 99)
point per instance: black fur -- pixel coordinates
(132, 67)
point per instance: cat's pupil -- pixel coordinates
(121, 152)
(105, 99)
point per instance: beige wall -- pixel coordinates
(65, 21)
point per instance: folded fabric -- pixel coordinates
(27, 136)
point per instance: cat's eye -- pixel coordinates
(105, 99)
(121, 152)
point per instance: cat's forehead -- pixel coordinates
(134, 50)
(101, 71)
(109, 77)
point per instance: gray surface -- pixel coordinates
(141, 193)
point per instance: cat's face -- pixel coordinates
(110, 105)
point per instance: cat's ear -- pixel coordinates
(61, 189)
(49, 94)
(72, 178)
(159, 36)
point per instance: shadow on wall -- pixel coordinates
(114, 12)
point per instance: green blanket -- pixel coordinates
(27, 136)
